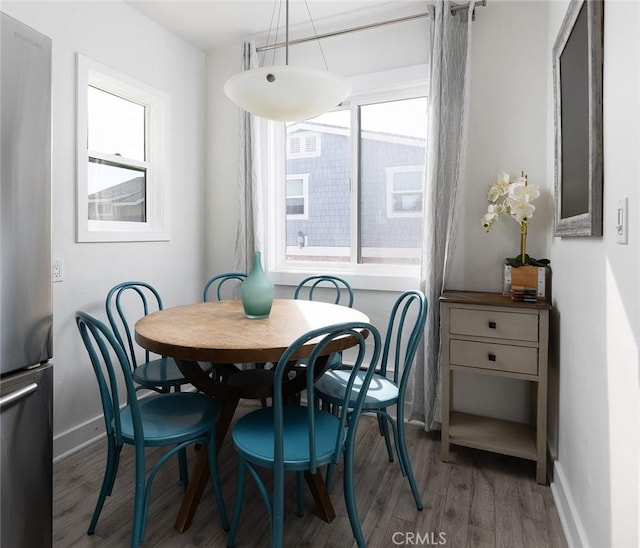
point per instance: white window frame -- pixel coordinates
(156, 103)
(397, 84)
(391, 172)
(305, 196)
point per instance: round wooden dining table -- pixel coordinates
(218, 332)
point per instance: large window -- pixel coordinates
(363, 198)
(122, 175)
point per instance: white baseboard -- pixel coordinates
(74, 439)
(571, 525)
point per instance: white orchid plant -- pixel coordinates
(513, 198)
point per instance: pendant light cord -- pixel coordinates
(277, 7)
(286, 33)
(275, 18)
(315, 33)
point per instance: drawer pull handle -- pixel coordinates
(492, 325)
(492, 357)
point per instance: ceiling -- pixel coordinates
(209, 23)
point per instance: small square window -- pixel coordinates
(405, 191)
(297, 196)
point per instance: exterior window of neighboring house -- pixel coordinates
(297, 196)
(122, 175)
(405, 191)
(363, 208)
(303, 144)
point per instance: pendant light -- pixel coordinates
(285, 93)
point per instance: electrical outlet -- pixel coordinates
(57, 271)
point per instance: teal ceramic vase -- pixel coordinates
(256, 292)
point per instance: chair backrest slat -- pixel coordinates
(328, 283)
(406, 326)
(119, 311)
(222, 282)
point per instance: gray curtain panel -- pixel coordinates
(249, 231)
(448, 102)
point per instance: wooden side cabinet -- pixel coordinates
(489, 334)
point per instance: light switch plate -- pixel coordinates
(622, 221)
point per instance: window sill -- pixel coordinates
(359, 281)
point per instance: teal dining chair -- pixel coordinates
(389, 385)
(299, 438)
(330, 288)
(225, 286)
(174, 420)
(133, 299)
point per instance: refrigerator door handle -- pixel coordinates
(18, 394)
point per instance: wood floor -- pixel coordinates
(477, 500)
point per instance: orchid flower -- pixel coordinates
(514, 199)
(521, 211)
(510, 197)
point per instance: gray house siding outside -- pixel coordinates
(380, 230)
(327, 224)
(328, 216)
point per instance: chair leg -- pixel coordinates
(139, 499)
(111, 469)
(237, 510)
(277, 510)
(404, 458)
(350, 499)
(300, 490)
(384, 431)
(329, 479)
(215, 480)
(184, 469)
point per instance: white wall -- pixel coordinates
(119, 37)
(597, 317)
(507, 132)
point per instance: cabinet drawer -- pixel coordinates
(497, 325)
(499, 357)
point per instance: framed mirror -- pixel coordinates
(577, 79)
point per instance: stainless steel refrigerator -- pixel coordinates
(26, 372)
